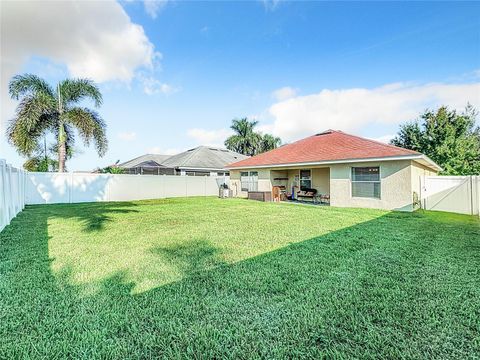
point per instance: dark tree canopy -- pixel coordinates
(247, 141)
(450, 139)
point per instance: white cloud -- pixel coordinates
(270, 5)
(127, 135)
(385, 138)
(284, 93)
(152, 86)
(94, 39)
(152, 7)
(161, 151)
(352, 109)
(209, 137)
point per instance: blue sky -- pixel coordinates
(174, 74)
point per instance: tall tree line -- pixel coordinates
(449, 138)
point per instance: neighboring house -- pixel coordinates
(199, 161)
(148, 164)
(350, 170)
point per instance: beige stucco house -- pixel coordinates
(348, 170)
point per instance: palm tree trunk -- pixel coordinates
(62, 147)
(62, 155)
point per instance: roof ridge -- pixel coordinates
(189, 156)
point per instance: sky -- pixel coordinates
(174, 74)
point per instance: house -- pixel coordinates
(349, 170)
(199, 161)
(148, 164)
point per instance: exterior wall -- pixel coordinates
(396, 186)
(400, 179)
(264, 182)
(321, 180)
(419, 170)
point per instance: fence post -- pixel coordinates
(3, 190)
(478, 195)
(8, 193)
(423, 198)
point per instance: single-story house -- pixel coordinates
(148, 164)
(199, 161)
(348, 170)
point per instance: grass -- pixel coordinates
(212, 278)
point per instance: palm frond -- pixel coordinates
(75, 90)
(90, 126)
(35, 115)
(34, 109)
(25, 138)
(28, 84)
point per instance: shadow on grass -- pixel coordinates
(191, 257)
(402, 285)
(92, 216)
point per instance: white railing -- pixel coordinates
(50, 188)
(12, 192)
(460, 194)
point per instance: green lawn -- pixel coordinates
(212, 278)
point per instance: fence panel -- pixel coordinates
(49, 188)
(459, 194)
(12, 192)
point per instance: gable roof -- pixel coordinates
(203, 157)
(331, 146)
(147, 160)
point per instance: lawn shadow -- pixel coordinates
(191, 257)
(92, 216)
(355, 292)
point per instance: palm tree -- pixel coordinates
(245, 140)
(43, 110)
(269, 142)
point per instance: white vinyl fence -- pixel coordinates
(50, 188)
(459, 194)
(12, 192)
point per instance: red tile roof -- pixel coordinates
(331, 145)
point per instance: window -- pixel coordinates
(249, 180)
(305, 179)
(197, 173)
(366, 182)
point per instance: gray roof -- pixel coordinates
(203, 157)
(147, 160)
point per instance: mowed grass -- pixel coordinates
(211, 278)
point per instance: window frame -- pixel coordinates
(305, 179)
(379, 181)
(251, 182)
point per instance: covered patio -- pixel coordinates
(307, 185)
(311, 185)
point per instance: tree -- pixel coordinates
(248, 142)
(44, 110)
(112, 169)
(450, 139)
(40, 163)
(245, 140)
(269, 142)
